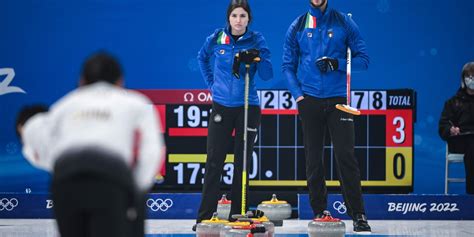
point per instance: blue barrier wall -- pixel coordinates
(399, 207)
(420, 44)
(183, 206)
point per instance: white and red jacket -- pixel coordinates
(99, 115)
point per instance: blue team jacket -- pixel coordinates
(226, 89)
(316, 34)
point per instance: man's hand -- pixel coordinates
(326, 64)
(299, 99)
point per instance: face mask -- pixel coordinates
(469, 81)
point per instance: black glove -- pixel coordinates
(245, 56)
(249, 56)
(326, 64)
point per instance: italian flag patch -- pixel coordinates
(310, 22)
(223, 38)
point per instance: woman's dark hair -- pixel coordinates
(26, 113)
(468, 68)
(101, 67)
(236, 4)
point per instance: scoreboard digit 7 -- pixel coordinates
(383, 145)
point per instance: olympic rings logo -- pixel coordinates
(339, 207)
(159, 204)
(8, 204)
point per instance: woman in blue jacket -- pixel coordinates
(225, 79)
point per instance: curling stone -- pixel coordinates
(243, 229)
(275, 210)
(223, 208)
(326, 226)
(211, 227)
(269, 226)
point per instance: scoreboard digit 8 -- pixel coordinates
(383, 141)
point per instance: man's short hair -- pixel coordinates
(101, 67)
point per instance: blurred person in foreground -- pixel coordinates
(103, 147)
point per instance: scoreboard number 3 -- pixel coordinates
(399, 124)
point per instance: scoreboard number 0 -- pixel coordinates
(399, 171)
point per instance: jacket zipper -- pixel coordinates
(320, 52)
(231, 76)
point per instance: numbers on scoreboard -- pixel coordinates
(191, 170)
(229, 173)
(179, 173)
(269, 100)
(195, 170)
(286, 100)
(399, 124)
(191, 116)
(399, 166)
(384, 145)
(365, 100)
(276, 99)
(360, 99)
(253, 172)
(377, 100)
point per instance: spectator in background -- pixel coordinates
(86, 141)
(456, 125)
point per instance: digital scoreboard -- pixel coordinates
(383, 141)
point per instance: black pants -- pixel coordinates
(317, 115)
(222, 122)
(465, 145)
(94, 195)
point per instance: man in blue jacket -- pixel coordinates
(316, 44)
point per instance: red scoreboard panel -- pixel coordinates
(383, 145)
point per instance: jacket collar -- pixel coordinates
(462, 94)
(245, 36)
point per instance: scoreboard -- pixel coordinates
(383, 141)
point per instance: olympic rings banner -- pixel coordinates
(173, 206)
(25, 206)
(399, 207)
(158, 206)
(185, 205)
